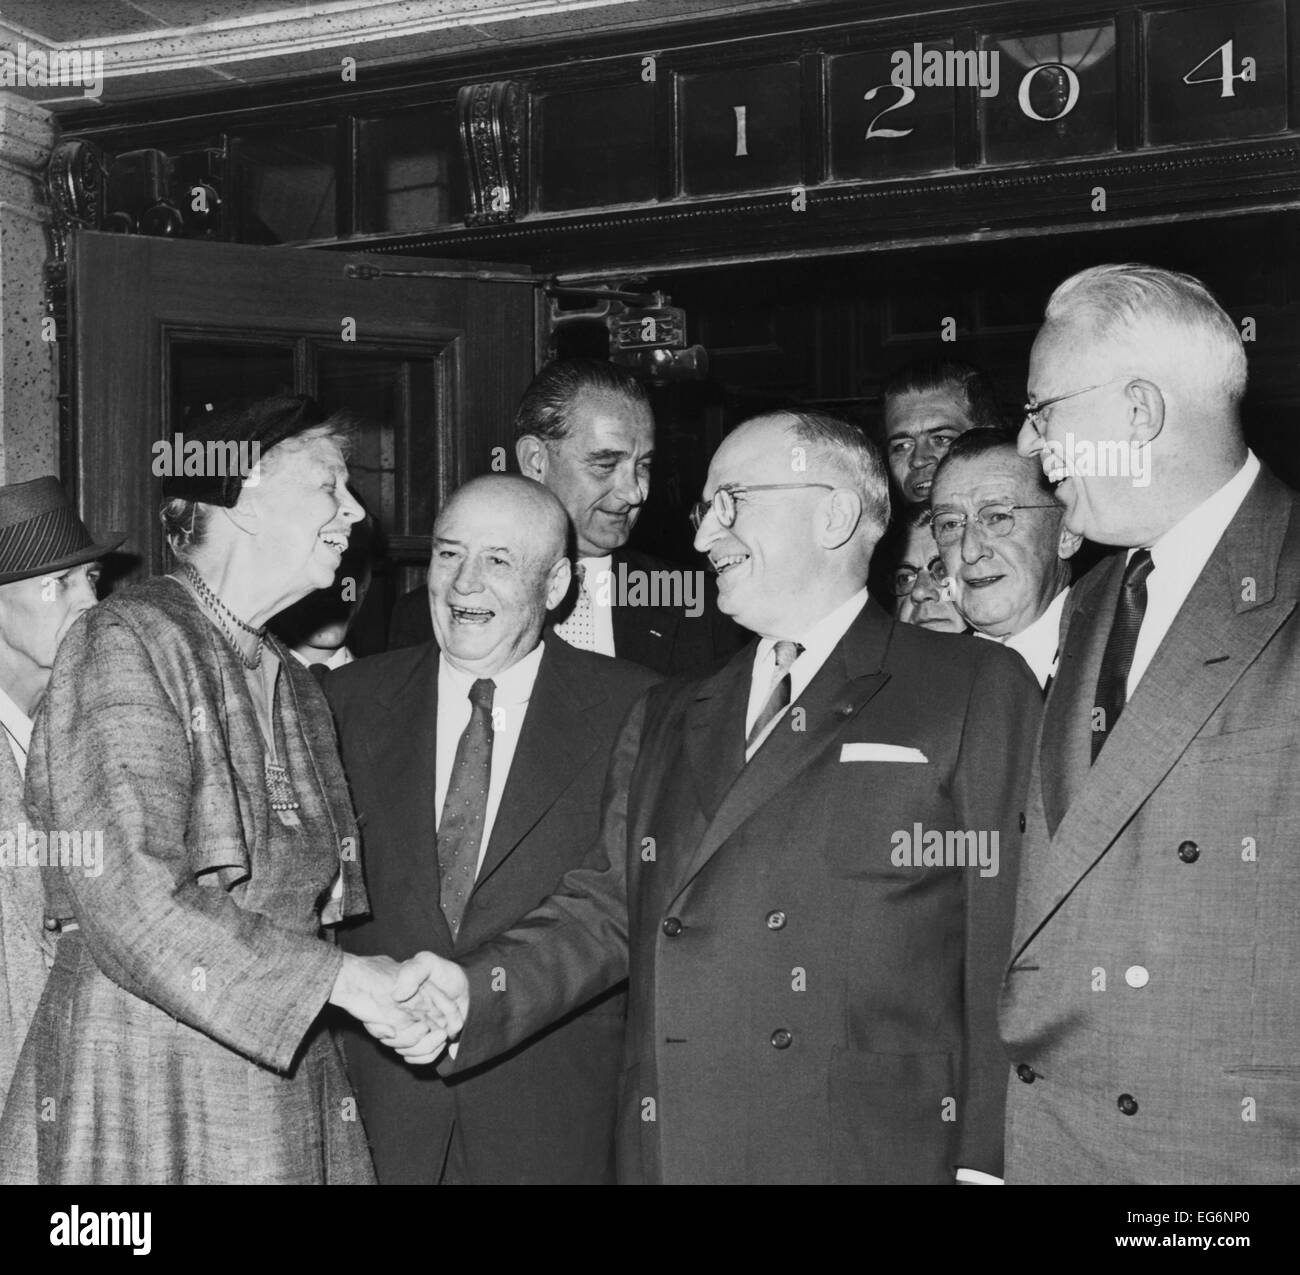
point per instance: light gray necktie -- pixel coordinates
(779, 698)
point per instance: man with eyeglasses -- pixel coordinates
(1004, 545)
(813, 967)
(919, 580)
(1150, 1006)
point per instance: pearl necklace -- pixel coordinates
(219, 610)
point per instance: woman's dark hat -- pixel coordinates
(266, 422)
(40, 532)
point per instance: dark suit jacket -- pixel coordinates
(1157, 943)
(802, 1009)
(663, 638)
(544, 1113)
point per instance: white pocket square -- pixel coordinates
(881, 752)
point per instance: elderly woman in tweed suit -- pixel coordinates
(179, 1038)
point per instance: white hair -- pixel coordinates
(1169, 316)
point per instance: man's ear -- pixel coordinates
(557, 584)
(530, 452)
(1068, 544)
(1146, 410)
(842, 515)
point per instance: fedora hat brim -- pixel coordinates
(87, 554)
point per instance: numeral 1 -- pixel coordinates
(742, 145)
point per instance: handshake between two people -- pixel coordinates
(414, 1007)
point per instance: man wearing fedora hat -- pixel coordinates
(48, 569)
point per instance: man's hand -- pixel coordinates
(364, 988)
(438, 986)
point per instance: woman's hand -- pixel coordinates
(401, 1006)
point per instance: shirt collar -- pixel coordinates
(513, 685)
(822, 638)
(1038, 643)
(1182, 552)
(338, 659)
(15, 720)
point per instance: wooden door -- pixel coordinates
(433, 367)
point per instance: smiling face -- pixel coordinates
(928, 605)
(600, 470)
(772, 571)
(1060, 363)
(304, 512)
(919, 428)
(1003, 583)
(498, 565)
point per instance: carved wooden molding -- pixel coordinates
(1149, 186)
(491, 138)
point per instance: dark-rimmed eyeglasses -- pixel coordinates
(723, 504)
(1033, 411)
(904, 579)
(996, 520)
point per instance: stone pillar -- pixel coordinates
(29, 419)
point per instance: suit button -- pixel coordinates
(672, 927)
(1022, 821)
(1026, 1073)
(776, 920)
(1128, 1104)
(51, 923)
(781, 1038)
(1189, 852)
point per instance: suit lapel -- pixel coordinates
(715, 729)
(843, 686)
(403, 752)
(554, 745)
(644, 633)
(1213, 640)
(1066, 750)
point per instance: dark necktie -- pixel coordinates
(1112, 682)
(318, 671)
(464, 810)
(779, 698)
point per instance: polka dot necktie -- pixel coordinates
(1117, 659)
(579, 627)
(464, 811)
(779, 698)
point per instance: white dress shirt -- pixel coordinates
(514, 688)
(17, 728)
(1039, 645)
(600, 583)
(1178, 558)
(817, 642)
(340, 657)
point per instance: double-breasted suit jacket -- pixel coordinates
(545, 1113)
(806, 1003)
(1151, 1007)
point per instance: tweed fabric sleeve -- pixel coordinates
(111, 752)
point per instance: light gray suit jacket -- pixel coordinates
(1150, 1007)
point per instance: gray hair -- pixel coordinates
(845, 448)
(1122, 303)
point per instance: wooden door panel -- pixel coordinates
(131, 296)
